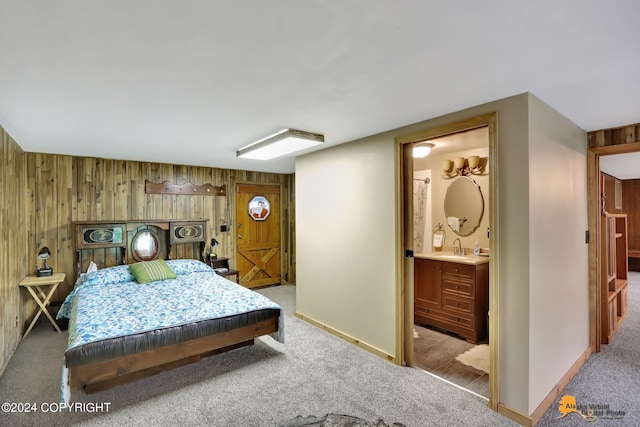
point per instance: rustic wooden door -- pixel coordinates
(258, 234)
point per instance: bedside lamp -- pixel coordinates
(212, 254)
(44, 255)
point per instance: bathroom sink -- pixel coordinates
(451, 256)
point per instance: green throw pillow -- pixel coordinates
(151, 271)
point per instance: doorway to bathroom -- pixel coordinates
(451, 294)
(441, 319)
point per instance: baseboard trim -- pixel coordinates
(514, 415)
(346, 337)
(557, 389)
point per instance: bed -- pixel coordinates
(121, 330)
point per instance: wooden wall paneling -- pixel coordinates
(168, 201)
(65, 236)
(108, 185)
(615, 136)
(631, 206)
(153, 172)
(103, 189)
(28, 305)
(45, 214)
(57, 190)
(289, 239)
(135, 190)
(14, 244)
(181, 203)
(610, 193)
(5, 278)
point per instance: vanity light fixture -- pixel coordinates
(279, 144)
(460, 166)
(422, 149)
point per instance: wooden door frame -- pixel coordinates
(404, 202)
(595, 243)
(232, 227)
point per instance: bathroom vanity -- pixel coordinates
(451, 292)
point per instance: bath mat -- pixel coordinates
(476, 357)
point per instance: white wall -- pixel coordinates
(345, 259)
(558, 262)
(345, 239)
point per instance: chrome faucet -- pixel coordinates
(459, 249)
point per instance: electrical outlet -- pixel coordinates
(223, 228)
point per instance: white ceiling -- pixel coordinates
(190, 82)
(621, 166)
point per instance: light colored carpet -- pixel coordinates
(312, 374)
(609, 377)
(335, 420)
(476, 357)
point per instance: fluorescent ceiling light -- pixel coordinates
(282, 143)
(422, 150)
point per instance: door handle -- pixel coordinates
(239, 236)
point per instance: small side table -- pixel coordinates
(221, 267)
(35, 285)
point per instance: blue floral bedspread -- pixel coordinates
(109, 303)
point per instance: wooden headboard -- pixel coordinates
(108, 243)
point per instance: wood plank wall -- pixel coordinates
(14, 260)
(614, 136)
(631, 206)
(610, 183)
(67, 189)
(42, 194)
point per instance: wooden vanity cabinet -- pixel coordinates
(429, 272)
(452, 296)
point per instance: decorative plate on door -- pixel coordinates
(259, 208)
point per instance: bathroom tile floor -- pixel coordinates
(436, 351)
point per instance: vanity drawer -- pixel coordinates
(457, 304)
(461, 271)
(440, 318)
(458, 287)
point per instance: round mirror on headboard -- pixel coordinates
(464, 205)
(145, 246)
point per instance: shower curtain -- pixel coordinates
(420, 188)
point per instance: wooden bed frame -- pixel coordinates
(102, 375)
(98, 376)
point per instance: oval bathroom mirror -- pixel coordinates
(145, 246)
(463, 206)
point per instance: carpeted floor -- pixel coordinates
(611, 377)
(313, 374)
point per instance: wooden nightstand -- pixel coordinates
(35, 285)
(221, 267)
